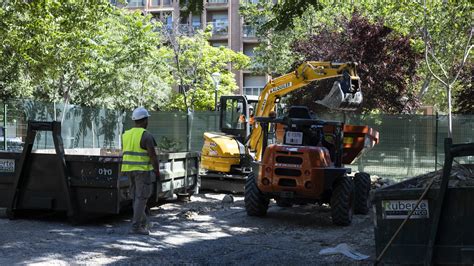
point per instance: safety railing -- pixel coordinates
(219, 27)
(249, 31)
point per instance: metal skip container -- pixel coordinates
(82, 182)
(440, 229)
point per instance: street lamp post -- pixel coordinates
(216, 77)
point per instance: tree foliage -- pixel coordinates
(464, 97)
(403, 17)
(83, 52)
(387, 63)
(192, 64)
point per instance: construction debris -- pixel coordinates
(462, 175)
(378, 182)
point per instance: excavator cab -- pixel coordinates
(344, 95)
(236, 112)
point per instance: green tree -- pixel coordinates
(446, 55)
(405, 17)
(387, 64)
(193, 62)
(83, 52)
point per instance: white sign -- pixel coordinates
(399, 209)
(295, 138)
(7, 166)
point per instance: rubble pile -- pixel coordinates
(378, 182)
(462, 175)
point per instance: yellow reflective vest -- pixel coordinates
(134, 157)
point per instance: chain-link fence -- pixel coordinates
(409, 144)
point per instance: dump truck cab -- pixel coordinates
(308, 166)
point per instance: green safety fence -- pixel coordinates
(81, 127)
(409, 144)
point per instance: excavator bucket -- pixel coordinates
(344, 95)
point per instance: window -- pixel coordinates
(248, 31)
(184, 19)
(217, 1)
(219, 17)
(219, 22)
(136, 3)
(249, 49)
(232, 115)
(253, 85)
(166, 2)
(253, 90)
(169, 20)
(250, 2)
(196, 22)
(155, 2)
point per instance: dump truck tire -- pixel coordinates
(256, 204)
(361, 193)
(342, 199)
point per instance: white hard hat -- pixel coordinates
(140, 113)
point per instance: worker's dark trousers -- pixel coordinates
(140, 190)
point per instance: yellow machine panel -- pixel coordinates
(219, 152)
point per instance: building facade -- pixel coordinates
(229, 30)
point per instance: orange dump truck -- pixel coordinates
(308, 167)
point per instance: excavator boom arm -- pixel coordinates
(280, 86)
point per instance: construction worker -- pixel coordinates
(240, 123)
(141, 165)
(252, 118)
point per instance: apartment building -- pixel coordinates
(229, 30)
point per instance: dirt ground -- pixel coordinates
(203, 231)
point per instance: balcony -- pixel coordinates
(189, 30)
(249, 31)
(219, 28)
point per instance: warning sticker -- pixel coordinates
(7, 166)
(399, 209)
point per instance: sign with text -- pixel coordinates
(7, 166)
(399, 209)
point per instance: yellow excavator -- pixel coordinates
(227, 156)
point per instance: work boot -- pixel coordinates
(139, 231)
